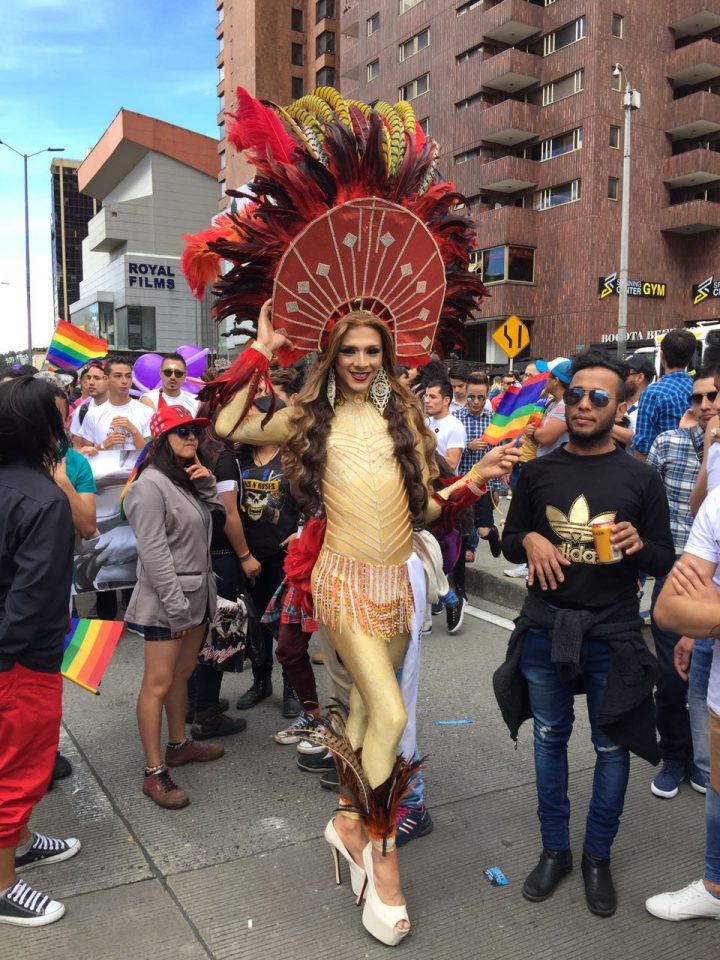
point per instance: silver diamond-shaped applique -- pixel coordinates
(303, 287)
(350, 239)
(291, 306)
(322, 269)
(425, 343)
(387, 239)
(421, 287)
(406, 269)
(423, 314)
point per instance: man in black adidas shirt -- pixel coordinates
(580, 622)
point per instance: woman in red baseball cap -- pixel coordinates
(168, 506)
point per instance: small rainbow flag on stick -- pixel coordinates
(515, 410)
(89, 646)
(71, 348)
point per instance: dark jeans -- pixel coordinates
(673, 719)
(204, 684)
(261, 591)
(551, 702)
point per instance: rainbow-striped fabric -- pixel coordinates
(89, 646)
(71, 348)
(515, 410)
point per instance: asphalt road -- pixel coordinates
(244, 874)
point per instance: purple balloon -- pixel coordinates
(146, 371)
(195, 358)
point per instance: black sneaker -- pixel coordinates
(214, 723)
(412, 822)
(330, 780)
(23, 906)
(493, 541)
(291, 705)
(61, 767)
(455, 615)
(260, 690)
(46, 850)
(223, 706)
(316, 762)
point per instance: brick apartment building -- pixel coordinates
(521, 97)
(278, 50)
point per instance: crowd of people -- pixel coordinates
(225, 502)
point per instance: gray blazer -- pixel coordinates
(175, 582)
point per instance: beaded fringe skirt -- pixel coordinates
(376, 598)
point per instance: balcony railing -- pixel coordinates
(509, 122)
(517, 225)
(693, 116)
(693, 216)
(511, 71)
(507, 175)
(510, 21)
(698, 62)
(692, 168)
(691, 17)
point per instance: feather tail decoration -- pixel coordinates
(258, 129)
(301, 558)
(377, 806)
(200, 264)
(250, 368)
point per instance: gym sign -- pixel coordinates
(610, 285)
(709, 287)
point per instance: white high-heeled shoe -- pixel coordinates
(381, 919)
(338, 848)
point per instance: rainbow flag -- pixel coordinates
(71, 348)
(515, 410)
(89, 646)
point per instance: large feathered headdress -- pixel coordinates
(345, 212)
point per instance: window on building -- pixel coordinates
(412, 46)
(614, 139)
(325, 77)
(470, 53)
(557, 146)
(424, 125)
(615, 80)
(325, 43)
(296, 54)
(373, 24)
(373, 70)
(556, 196)
(135, 327)
(324, 10)
(221, 102)
(558, 89)
(415, 88)
(221, 43)
(298, 88)
(221, 73)
(478, 97)
(468, 155)
(504, 264)
(618, 24)
(570, 33)
(223, 160)
(296, 20)
(613, 188)
(222, 189)
(467, 7)
(406, 5)
(221, 13)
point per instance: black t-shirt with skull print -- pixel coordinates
(269, 513)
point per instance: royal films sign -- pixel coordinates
(153, 276)
(610, 286)
(710, 287)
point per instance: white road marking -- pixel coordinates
(471, 611)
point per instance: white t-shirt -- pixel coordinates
(96, 425)
(184, 399)
(75, 424)
(449, 433)
(713, 467)
(556, 412)
(704, 542)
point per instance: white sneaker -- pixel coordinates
(517, 572)
(308, 748)
(293, 733)
(686, 904)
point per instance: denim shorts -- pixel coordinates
(157, 633)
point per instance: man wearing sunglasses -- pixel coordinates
(173, 371)
(677, 456)
(580, 622)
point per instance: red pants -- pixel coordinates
(292, 655)
(30, 711)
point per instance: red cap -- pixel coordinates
(167, 418)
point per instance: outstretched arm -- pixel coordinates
(496, 463)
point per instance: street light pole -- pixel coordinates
(631, 101)
(25, 158)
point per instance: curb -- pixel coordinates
(503, 591)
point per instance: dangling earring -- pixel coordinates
(330, 387)
(379, 392)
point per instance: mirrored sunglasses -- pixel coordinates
(185, 432)
(597, 397)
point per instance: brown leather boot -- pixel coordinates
(161, 788)
(193, 752)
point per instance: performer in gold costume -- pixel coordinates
(356, 447)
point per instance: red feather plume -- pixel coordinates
(258, 130)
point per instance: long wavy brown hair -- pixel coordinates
(305, 452)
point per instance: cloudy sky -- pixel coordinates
(66, 68)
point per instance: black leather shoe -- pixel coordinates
(61, 767)
(223, 706)
(599, 887)
(260, 690)
(291, 705)
(493, 541)
(552, 867)
(214, 723)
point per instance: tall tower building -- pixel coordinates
(521, 96)
(278, 50)
(71, 212)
